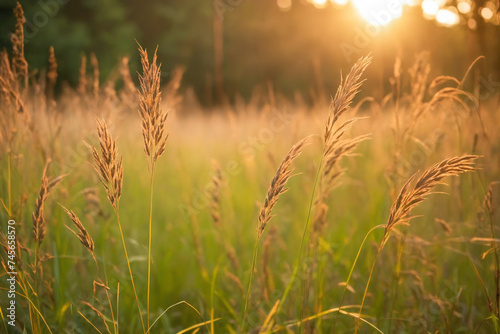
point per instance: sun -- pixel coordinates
(383, 12)
(380, 12)
(375, 12)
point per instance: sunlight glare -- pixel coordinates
(464, 6)
(340, 2)
(379, 12)
(319, 3)
(430, 8)
(447, 17)
(486, 13)
(284, 5)
(471, 23)
(412, 2)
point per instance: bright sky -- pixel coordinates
(382, 12)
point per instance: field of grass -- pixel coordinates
(213, 243)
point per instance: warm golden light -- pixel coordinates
(412, 2)
(486, 13)
(319, 3)
(464, 6)
(284, 5)
(447, 17)
(379, 12)
(430, 8)
(340, 2)
(471, 23)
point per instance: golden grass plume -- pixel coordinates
(277, 186)
(108, 165)
(19, 63)
(82, 234)
(334, 146)
(38, 217)
(152, 116)
(410, 196)
(346, 92)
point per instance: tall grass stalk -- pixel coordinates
(495, 253)
(117, 214)
(302, 242)
(149, 238)
(254, 260)
(351, 271)
(410, 196)
(275, 190)
(334, 148)
(109, 167)
(153, 132)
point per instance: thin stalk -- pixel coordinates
(320, 293)
(212, 289)
(150, 229)
(306, 229)
(33, 306)
(115, 323)
(35, 283)
(497, 266)
(396, 277)
(203, 323)
(254, 259)
(35, 279)
(129, 268)
(90, 322)
(351, 271)
(304, 234)
(117, 308)
(366, 290)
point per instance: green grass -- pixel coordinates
(437, 288)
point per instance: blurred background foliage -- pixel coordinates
(297, 46)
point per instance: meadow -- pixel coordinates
(138, 211)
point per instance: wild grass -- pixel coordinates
(193, 266)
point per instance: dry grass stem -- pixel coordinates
(153, 118)
(215, 192)
(108, 165)
(95, 81)
(444, 225)
(348, 88)
(487, 206)
(82, 234)
(52, 74)
(334, 147)
(38, 218)
(98, 313)
(82, 79)
(410, 197)
(19, 63)
(10, 91)
(277, 186)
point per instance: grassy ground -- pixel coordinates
(435, 274)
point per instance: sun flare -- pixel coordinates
(379, 12)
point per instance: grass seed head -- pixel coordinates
(108, 164)
(152, 116)
(38, 217)
(82, 234)
(410, 196)
(277, 186)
